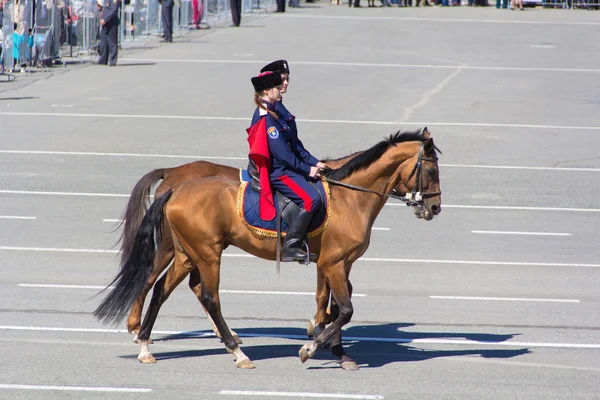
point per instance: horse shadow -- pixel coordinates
(371, 346)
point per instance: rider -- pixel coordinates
(282, 67)
(275, 153)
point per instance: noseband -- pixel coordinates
(416, 196)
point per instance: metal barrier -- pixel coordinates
(572, 4)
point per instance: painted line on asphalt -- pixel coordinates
(96, 287)
(203, 157)
(15, 217)
(302, 395)
(112, 220)
(41, 193)
(372, 65)
(430, 19)
(504, 299)
(380, 229)
(363, 259)
(319, 121)
(98, 154)
(389, 204)
(205, 334)
(521, 233)
(75, 388)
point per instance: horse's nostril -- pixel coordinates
(435, 209)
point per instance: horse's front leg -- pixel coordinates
(338, 283)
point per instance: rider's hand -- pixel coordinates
(315, 172)
(321, 165)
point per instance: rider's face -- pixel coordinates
(286, 81)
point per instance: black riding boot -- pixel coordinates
(292, 244)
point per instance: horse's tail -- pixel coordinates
(135, 210)
(134, 274)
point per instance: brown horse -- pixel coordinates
(171, 178)
(202, 217)
(137, 207)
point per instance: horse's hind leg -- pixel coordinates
(322, 317)
(162, 259)
(209, 266)
(196, 286)
(163, 288)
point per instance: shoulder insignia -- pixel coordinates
(273, 132)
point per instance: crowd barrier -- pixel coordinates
(38, 32)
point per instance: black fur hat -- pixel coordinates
(266, 80)
(280, 66)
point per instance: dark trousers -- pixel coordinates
(166, 17)
(236, 11)
(298, 190)
(280, 6)
(109, 47)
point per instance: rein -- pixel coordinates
(416, 196)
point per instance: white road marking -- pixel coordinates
(448, 20)
(303, 337)
(319, 121)
(15, 217)
(84, 194)
(204, 157)
(31, 192)
(363, 259)
(521, 233)
(62, 105)
(61, 286)
(380, 229)
(80, 153)
(75, 388)
(504, 299)
(111, 220)
(511, 208)
(371, 65)
(302, 395)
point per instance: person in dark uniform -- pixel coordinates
(280, 6)
(236, 11)
(166, 17)
(109, 30)
(274, 152)
(283, 68)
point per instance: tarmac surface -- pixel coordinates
(496, 298)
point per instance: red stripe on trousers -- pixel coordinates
(298, 190)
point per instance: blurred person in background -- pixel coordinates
(166, 17)
(109, 30)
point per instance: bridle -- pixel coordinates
(416, 197)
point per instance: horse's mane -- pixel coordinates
(368, 157)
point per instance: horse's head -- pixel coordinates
(419, 182)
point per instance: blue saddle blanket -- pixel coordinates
(248, 210)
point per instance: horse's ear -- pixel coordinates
(428, 145)
(425, 133)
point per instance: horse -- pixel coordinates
(137, 206)
(171, 178)
(202, 217)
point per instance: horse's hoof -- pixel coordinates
(307, 351)
(310, 330)
(244, 364)
(349, 365)
(147, 358)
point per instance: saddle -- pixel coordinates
(248, 210)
